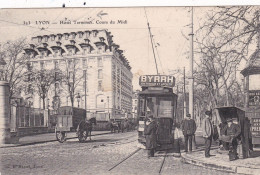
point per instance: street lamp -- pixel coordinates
(78, 99)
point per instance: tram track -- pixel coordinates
(138, 149)
(164, 157)
(161, 166)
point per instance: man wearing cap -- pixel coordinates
(150, 135)
(233, 130)
(188, 127)
(207, 132)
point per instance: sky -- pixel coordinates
(170, 27)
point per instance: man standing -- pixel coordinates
(150, 135)
(188, 127)
(207, 132)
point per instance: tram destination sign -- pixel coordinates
(156, 81)
(254, 98)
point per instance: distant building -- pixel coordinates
(84, 55)
(135, 103)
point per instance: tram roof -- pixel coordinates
(155, 92)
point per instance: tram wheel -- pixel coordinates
(82, 136)
(61, 136)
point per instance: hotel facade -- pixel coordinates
(90, 72)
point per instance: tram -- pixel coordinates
(157, 99)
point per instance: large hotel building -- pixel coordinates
(94, 67)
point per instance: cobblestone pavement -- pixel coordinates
(93, 157)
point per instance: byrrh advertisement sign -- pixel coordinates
(254, 98)
(157, 80)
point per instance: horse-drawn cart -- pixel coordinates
(68, 120)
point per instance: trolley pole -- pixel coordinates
(191, 79)
(184, 94)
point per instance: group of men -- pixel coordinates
(188, 126)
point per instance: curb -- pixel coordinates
(225, 168)
(47, 141)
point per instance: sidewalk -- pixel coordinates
(48, 137)
(221, 161)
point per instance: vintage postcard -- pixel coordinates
(130, 90)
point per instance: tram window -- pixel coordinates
(141, 106)
(165, 108)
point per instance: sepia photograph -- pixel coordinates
(130, 90)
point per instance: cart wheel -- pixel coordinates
(61, 136)
(82, 136)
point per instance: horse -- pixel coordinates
(125, 125)
(84, 129)
(114, 125)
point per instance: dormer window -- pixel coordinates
(66, 36)
(58, 43)
(95, 32)
(102, 39)
(87, 34)
(45, 38)
(39, 39)
(52, 37)
(73, 35)
(59, 36)
(80, 34)
(72, 42)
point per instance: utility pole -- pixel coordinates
(85, 89)
(184, 94)
(191, 82)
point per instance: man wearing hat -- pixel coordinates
(233, 130)
(207, 132)
(150, 135)
(188, 127)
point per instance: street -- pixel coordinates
(93, 157)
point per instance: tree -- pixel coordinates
(223, 41)
(42, 81)
(16, 64)
(71, 75)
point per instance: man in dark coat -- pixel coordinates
(188, 127)
(150, 135)
(233, 130)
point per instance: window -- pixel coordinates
(66, 36)
(70, 52)
(100, 64)
(46, 39)
(100, 86)
(100, 74)
(56, 64)
(42, 65)
(80, 35)
(84, 62)
(84, 51)
(59, 37)
(56, 53)
(52, 37)
(39, 39)
(70, 64)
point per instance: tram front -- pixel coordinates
(157, 99)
